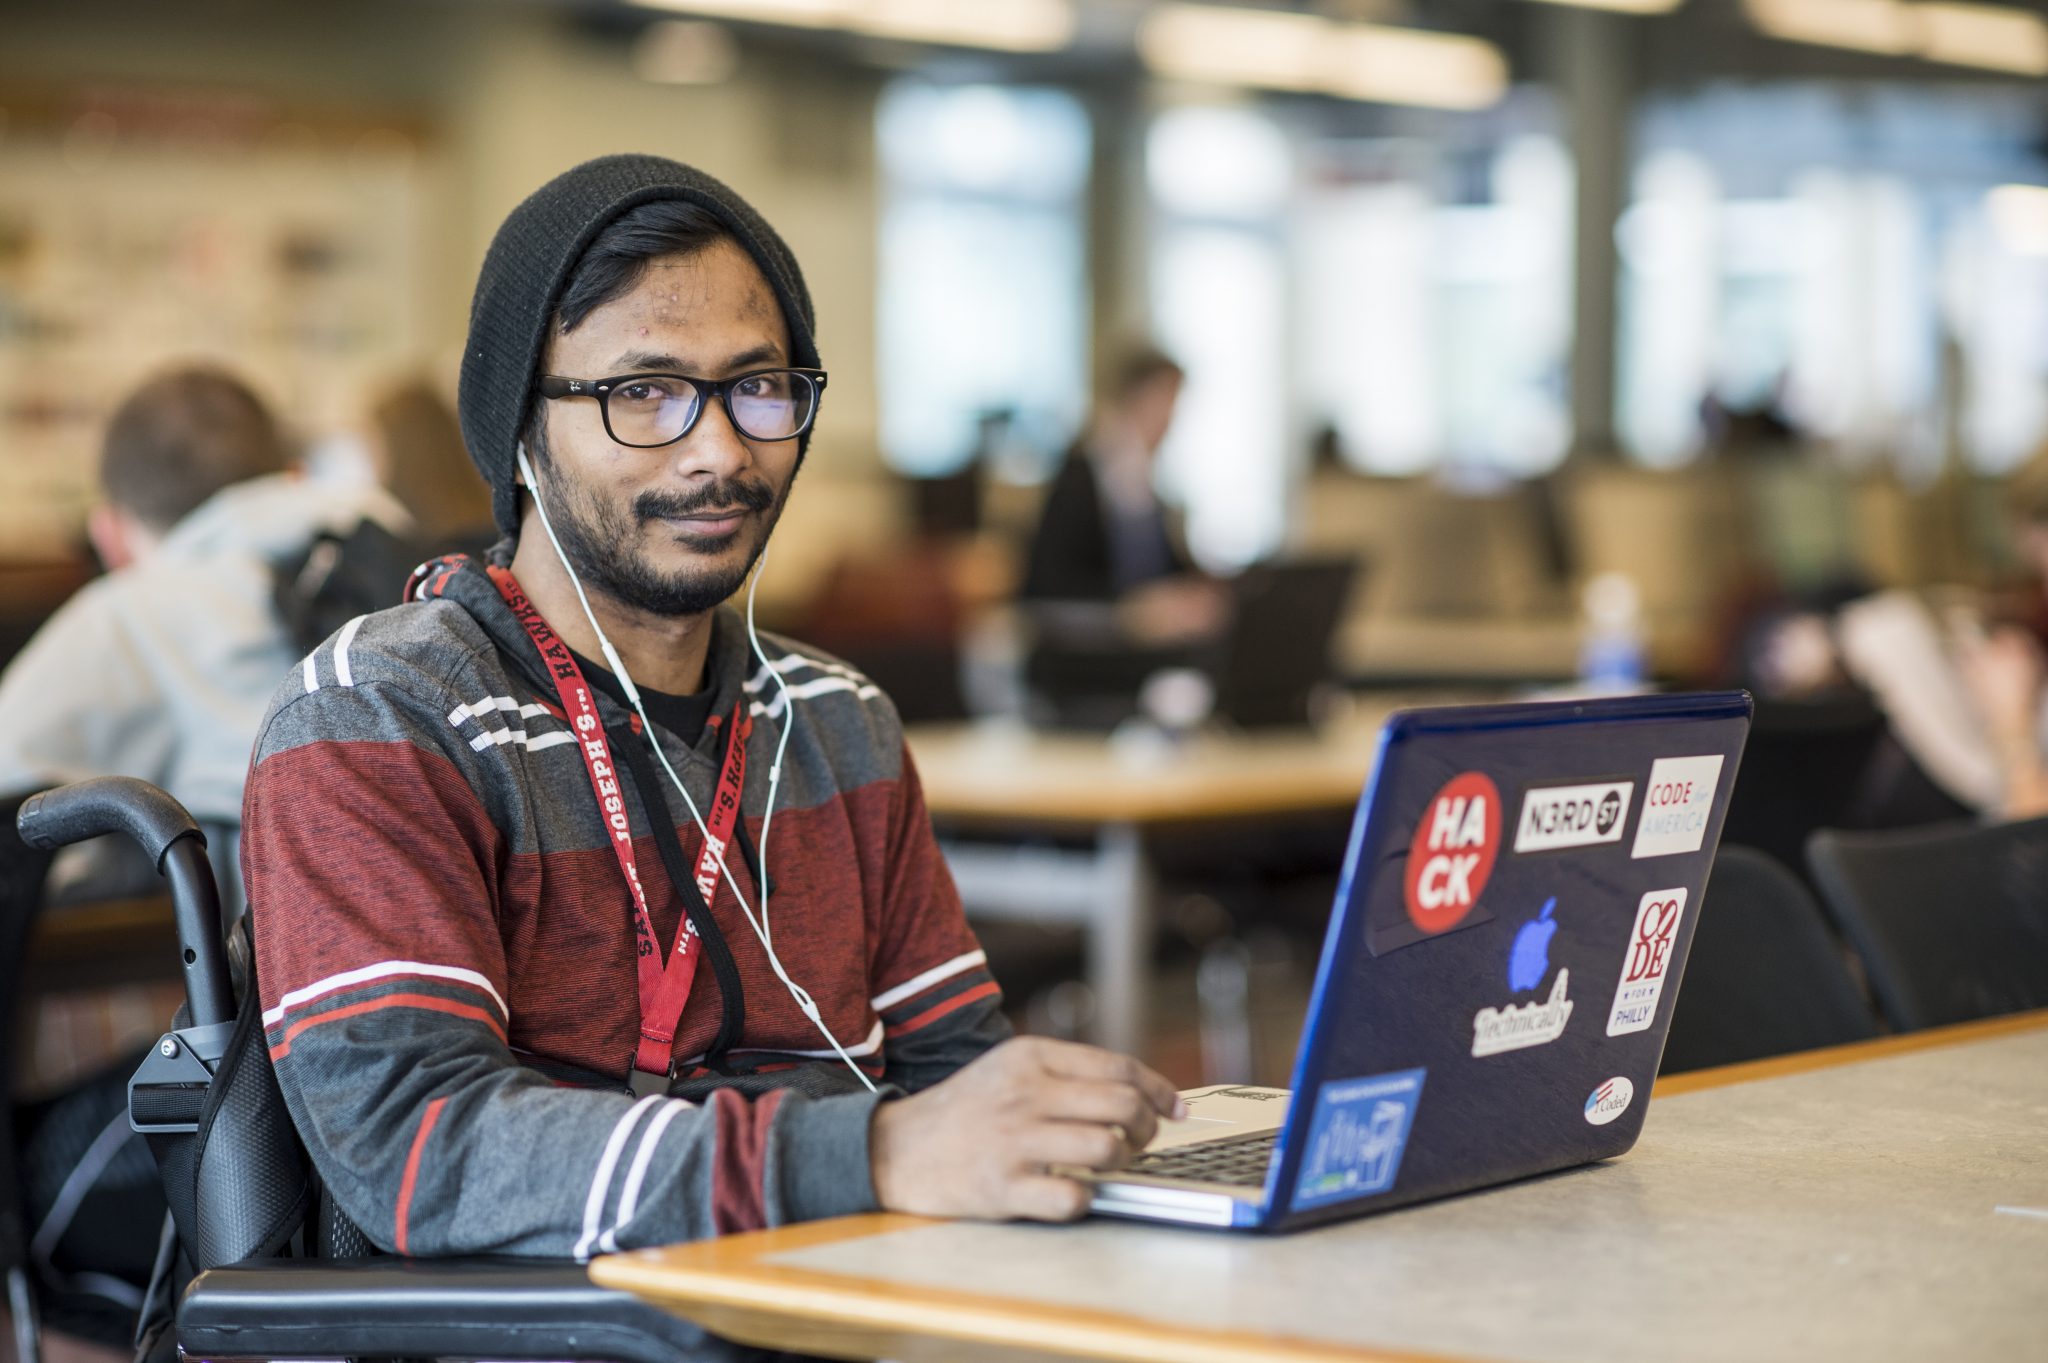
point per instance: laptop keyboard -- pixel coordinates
(1240, 1161)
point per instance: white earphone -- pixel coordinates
(804, 1001)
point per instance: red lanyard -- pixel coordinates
(664, 990)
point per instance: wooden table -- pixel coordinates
(106, 942)
(990, 787)
(1882, 1201)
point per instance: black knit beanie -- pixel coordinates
(530, 261)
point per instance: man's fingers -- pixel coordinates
(1047, 1197)
(1106, 1103)
(1080, 1145)
(1075, 1061)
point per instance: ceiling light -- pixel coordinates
(1994, 37)
(1279, 50)
(1013, 25)
(795, 13)
(1884, 26)
(1410, 66)
(1266, 48)
(1623, 6)
(1009, 25)
(2019, 215)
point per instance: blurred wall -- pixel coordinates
(502, 96)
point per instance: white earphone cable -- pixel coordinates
(781, 743)
(804, 1001)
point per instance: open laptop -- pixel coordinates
(1499, 973)
(1272, 655)
(1283, 621)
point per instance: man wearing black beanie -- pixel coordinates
(584, 919)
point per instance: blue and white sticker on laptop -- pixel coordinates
(1357, 1136)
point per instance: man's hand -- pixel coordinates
(982, 1143)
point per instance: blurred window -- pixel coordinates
(983, 290)
(1440, 332)
(1412, 294)
(1221, 183)
(1830, 258)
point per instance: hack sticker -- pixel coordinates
(1453, 852)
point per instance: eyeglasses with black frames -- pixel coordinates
(649, 410)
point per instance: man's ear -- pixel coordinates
(117, 536)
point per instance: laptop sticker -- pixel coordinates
(1356, 1137)
(1453, 852)
(1647, 961)
(1557, 817)
(1610, 1100)
(1518, 1026)
(1676, 803)
(1450, 857)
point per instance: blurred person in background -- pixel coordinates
(161, 668)
(1961, 677)
(1104, 535)
(416, 452)
(2003, 662)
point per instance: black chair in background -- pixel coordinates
(22, 871)
(1765, 976)
(1951, 921)
(280, 1272)
(1804, 768)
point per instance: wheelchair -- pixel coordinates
(258, 1261)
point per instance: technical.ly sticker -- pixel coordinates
(1356, 1137)
(1518, 1026)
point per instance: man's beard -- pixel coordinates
(600, 541)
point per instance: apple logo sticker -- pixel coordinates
(1529, 959)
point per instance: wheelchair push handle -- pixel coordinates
(105, 804)
(121, 804)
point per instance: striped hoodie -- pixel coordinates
(445, 943)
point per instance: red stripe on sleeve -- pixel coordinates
(432, 1002)
(937, 1011)
(739, 1197)
(412, 1170)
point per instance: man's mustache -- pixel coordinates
(744, 493)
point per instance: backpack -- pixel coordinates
(339, 577)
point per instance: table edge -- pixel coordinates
(731, 1272)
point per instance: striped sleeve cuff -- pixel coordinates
(930, 995)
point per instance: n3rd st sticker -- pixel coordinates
(1557, 817)
(1647, 962)
(1356, 1137)
(1452, 853)
(1676, 803)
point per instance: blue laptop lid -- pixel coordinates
(1498, 975)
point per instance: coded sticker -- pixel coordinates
(1610, 1100)
(1356, 1137)
(1557, 817)
(1676, 802)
